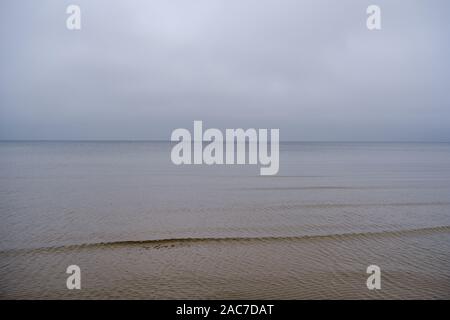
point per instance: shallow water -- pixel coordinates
(140, 227)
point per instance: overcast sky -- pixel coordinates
(140, 69)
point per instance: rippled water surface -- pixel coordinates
(140, 227)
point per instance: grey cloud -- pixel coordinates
(139, 69)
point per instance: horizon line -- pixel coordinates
(282, 141)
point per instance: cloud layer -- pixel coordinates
(139, 69)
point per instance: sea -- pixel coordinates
(140, 227)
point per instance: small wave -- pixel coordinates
(175, 242)
(306, 188)
(356, 205)
(300, 188)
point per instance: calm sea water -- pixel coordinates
(140, 227)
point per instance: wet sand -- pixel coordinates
(322, 267)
